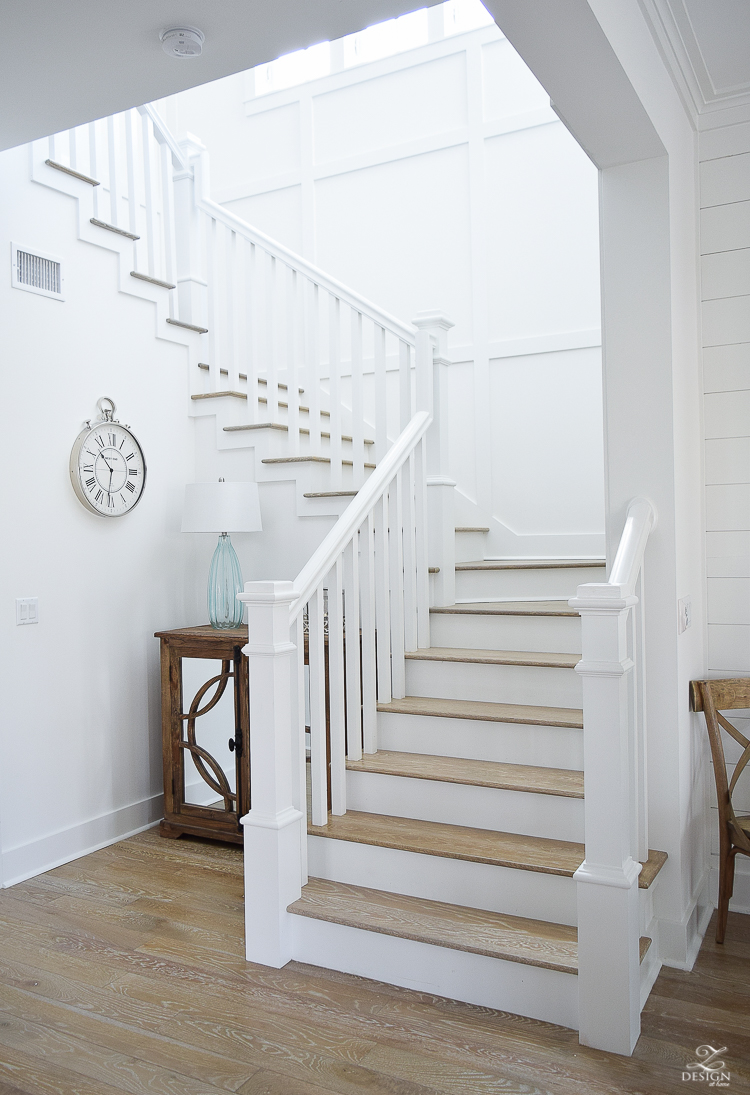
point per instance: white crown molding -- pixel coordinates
(677, 42)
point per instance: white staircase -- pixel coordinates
(463, 831)
(418, 811)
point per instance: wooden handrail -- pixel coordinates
(355, 513)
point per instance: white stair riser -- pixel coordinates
(495, 808)
(511, 743)
(561, 634)
(539, 993)
(525, 684)
(470, 546)
(555, 583)
(437, 878)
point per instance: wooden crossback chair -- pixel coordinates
(713, 697)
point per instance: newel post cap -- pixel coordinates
(435, 318)
(265, 593)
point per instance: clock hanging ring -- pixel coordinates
(107, 465)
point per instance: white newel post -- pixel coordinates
(191, 286)
(432, 338)
(273, 826)
(608, 922)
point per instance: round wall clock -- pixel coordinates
(107, 466)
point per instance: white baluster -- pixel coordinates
(133, 201)
(420, 538)
(148, 188)
(251, 332)
(272, 363)
(114, 182)
(191, 281)
(410, 559)
(299, 761)
(214, 364)
(382, 599)
(351, 629)
(334, 388)
(369, 667)
(396, 575)
(640, 775)
(312, 364)
(358, 425)
(273, 827)
(52, 147)
(168, 226)
(292, 380)
(73, 149)
(236, 303)
(381, 395)
(336, 688)
(404, 383)
(318, 750)
(93, 164)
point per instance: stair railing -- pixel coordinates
(615, 807)
(278, 320)
(130, 160)
(354, 608)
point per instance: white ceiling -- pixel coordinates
(707, 46)
(65, 63)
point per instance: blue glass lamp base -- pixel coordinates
(224, 583)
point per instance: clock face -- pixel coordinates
(108, 469)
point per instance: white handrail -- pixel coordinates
(163, 134)
(356, 512)
(640, 521)
(402, 330)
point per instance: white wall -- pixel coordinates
(725, 292)
(441, 178)
(80, 733)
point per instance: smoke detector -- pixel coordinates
(182, 41)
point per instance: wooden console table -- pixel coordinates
(220, 820)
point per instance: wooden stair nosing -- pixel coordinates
(260, 379)
(542, 660)
(540, 855)
(308, 460)
(527, 778)
(531, 564)
(188, 326)
(477, 931)
(471, 528)
(152, 281)
(483, 711)
(113, 228)
(331, 494)
(277, 426)
(458, 927)
(70, 171)
(508, 608)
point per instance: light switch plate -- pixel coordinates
(684, 614)
(27, 610)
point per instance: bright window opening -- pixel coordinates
(381, 40)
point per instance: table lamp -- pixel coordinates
(223, 507)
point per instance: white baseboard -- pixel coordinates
(681, 940)
(27, 860)
(741, 897)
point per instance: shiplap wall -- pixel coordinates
(725, 250)
(441, 177)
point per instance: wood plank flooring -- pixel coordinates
(123, 972)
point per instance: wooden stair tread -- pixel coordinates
(486, 712)
(274, 425)
(509, 608)
(494, 657)
(496, 935)
(471, 528)
(525, 853)
(330, 494)
(530, 564)
(306, 460)
(477, 773)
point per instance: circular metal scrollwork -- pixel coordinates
(216, 779)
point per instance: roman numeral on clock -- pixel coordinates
(90, 483)
(98, 496)
(132, 471)
(99, 441)
(130, 487)
(110, 502)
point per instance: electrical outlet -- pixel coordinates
(27, 610)
(684, 614)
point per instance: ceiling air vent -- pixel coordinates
(36, 272)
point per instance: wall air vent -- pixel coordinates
(36, 272)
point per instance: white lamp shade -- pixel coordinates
(221, 507)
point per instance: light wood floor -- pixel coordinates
(124, 972)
